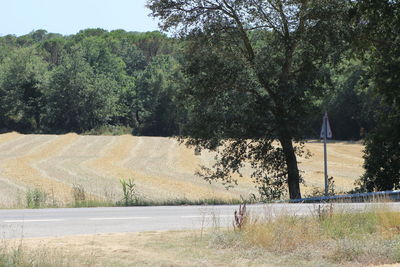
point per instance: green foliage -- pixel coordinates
(157, 112)
(382, 154)
(78, 99)
(109, 130)
(349, 101)
(342, 225)
(35, 198)
(22, 77)
(182, 202)
(378, 32)
(53, 50)
(54, 84)
(130, 195)
(255, 69)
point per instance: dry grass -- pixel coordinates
(339, 238)
(330, 237)
(344, 164)
(8, 136)
(174, 248)
(22, 169)
(162, 169)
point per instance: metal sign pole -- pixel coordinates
(325, 125)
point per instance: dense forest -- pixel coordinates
(217, 80)
(51, 83)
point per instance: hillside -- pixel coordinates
(162, 169)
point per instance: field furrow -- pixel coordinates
(344, 164)
(9, 136)
(149, 160)
(134, 158)
(161, 168)
(70, 167)
(22, 170)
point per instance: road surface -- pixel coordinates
(63, 222)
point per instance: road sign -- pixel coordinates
(326, 133)
(326, 127)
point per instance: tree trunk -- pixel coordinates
(37, 118)
(291, 163)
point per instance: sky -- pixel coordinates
(20, 17)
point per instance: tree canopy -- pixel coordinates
(54, 84)
(378, 26)
(272, 55)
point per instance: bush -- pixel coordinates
(82, 199)
(35, 198)
(130, 196)
(79, 194)
(110, 130)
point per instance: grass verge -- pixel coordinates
(20, 255)
(328, 238)
(144, 202)
(182, 202)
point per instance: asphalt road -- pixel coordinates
(64, 222)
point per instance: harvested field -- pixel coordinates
(161, 168)
(344, 164)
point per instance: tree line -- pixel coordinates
(51, 83)
(238, 76)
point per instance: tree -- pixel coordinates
(157, 112)
(53, 48)
(269, 53)
(22, 76)
(378, 27)
(349, 101)
(152, 44)
(78, 99)
(132, 56)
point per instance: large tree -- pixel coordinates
(22, 76)
(378, 27)
(157, 113)
(266, 59)
(79, 99)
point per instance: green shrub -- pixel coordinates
(109, 130)
(35, 198)
(130, 196)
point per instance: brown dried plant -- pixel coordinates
(241, 218)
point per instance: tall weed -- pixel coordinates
(35, 198)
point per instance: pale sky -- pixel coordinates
(20, 17)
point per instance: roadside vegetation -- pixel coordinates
(329, 237)
(129, 196)
(16, 254)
